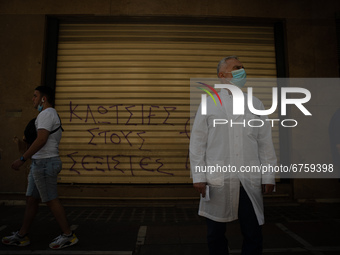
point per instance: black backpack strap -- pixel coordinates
(55, 130)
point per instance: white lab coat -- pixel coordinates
(235, 146)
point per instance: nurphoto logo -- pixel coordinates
(238, 104)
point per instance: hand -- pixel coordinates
(16, 139)
(17, 164)
(267, 189)
(200, 187)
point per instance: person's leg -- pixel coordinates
(31, 210)
(250, 228)
(68, 238)
(32, 202)
(59, 213)
(45, 178)
(217, 242)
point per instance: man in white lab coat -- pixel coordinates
(232, 194)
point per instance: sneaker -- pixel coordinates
(16, 239)
(64, 241)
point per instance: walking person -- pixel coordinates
(45, 167)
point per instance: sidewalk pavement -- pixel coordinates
(291, 228)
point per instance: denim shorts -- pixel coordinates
(43, 177)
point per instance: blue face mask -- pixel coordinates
(40, 108)
(239, 77)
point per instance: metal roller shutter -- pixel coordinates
(122, 92)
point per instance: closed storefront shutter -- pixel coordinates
(122, 92)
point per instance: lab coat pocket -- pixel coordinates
(215, 175)
(253, 123)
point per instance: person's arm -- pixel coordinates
(266, 154)
(42, 136)
(197, 149)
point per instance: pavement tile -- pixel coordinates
(317, 233)
(193, 234)
(274, 237)
(162, 235)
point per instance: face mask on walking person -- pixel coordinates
(40, 108)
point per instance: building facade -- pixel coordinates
(122, 69)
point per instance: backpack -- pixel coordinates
(31, 131)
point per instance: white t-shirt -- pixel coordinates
(48, 119)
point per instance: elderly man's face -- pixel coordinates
(230, 65)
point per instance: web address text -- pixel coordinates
(292, 168)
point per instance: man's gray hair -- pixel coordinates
(223, 62)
